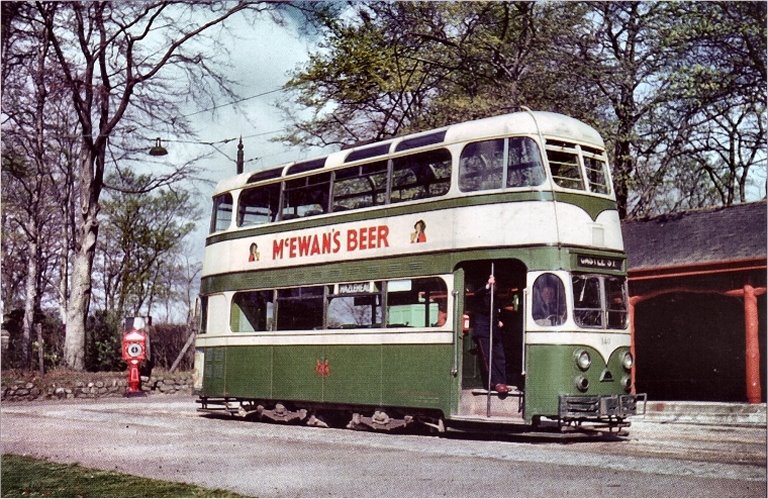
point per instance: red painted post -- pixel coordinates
(632, 301)
(754, 391)
(134, 380)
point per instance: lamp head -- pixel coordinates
(158, 149)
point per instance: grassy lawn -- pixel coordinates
(29, 477)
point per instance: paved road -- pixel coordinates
(163, 437)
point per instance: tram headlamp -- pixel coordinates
(582, 383)
(583, 360)
(626, 382)
(627, 361)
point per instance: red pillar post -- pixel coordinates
(632, 301)
(754, 391)
(134, 380)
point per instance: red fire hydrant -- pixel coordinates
(135, 351)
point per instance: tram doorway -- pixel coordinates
(510, 277)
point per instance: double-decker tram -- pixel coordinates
(350, 290)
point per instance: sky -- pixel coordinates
(261, 59)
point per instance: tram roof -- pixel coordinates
(549, 124)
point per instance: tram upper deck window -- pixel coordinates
(258, 205)
(549, 300)
(524, 166)
(482, 164)
(564, 164)
(306, 196)
(420, 176)
(597, 171)
(360, 186)
(222, 212)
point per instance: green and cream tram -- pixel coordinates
(339, 291)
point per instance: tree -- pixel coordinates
(390, 68)
(142, 234)
(658, 79)
(115, 59)
(721, 81)
(623, 56)
(28, 103)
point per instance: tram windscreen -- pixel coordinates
(599, 301)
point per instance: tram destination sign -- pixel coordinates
(599, 262)
(356, 287)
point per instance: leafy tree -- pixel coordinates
(670, 86)
(141, 234)
(721, 93)
(390, 68)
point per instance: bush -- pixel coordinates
(103, 348)
(53, 338)
(103, 344)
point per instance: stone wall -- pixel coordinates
(100, 386)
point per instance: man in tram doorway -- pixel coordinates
(482, 333)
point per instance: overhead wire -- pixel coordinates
(218, 106)
(213, 143)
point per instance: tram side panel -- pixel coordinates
(351, 374)
(417, 376)
(411, 375)
(248, 370)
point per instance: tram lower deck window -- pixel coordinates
(548, 300)
(252, 311)
(354, 311)
(417, 302)
(300, 308)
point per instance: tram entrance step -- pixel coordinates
(474, 402)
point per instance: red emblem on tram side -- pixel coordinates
(322, 368)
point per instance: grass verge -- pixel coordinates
(30, 477)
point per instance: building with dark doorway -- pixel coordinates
(697, 286)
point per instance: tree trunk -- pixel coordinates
(29, 303)
(40, 349)
(63, 282)
(80, 292)
(66, 243)
(623, 172)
